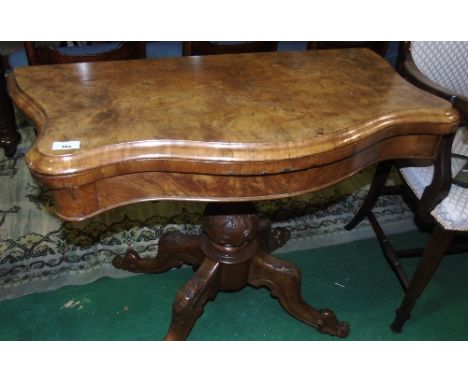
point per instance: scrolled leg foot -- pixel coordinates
(284, 281)
(329, 324)
(130, 261)
(271, 239)
(174, 250)
(191, 298)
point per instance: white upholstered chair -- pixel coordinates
(441, 190)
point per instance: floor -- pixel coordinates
(352, 279)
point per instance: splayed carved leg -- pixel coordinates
(192, 297)
(231, 253)
(284, 280)
(271, 239)
(174, 250)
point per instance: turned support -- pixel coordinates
(231, 253)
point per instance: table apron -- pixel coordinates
(81, 202)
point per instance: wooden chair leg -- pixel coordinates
(9, 136)
(433, 253)
(378, 183)
(392, 256)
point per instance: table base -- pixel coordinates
(231, 253)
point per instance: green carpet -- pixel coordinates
(139, 308)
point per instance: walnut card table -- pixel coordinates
(228, 129)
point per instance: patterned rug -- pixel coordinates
(39, 252)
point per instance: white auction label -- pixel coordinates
(70, 145)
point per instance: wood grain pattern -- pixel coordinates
(79, 202)
(231, 252)
(218, 128)
(226, 128)
(262, 106)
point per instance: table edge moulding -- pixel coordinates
(227, 129)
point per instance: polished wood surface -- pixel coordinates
(231, 253)
(441, 240)
(220, 128)
(227, 128)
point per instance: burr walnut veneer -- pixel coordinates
(229, 129)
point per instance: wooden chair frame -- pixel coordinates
(9, 136)
(441, 241)
(379, 47)
(200, 48)
(44, 55)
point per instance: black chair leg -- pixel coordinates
(378, 183)
(9, 136)
(433, 253)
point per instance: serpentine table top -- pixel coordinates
(228, 129)
(219, 128)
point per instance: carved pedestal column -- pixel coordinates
(232, 252)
